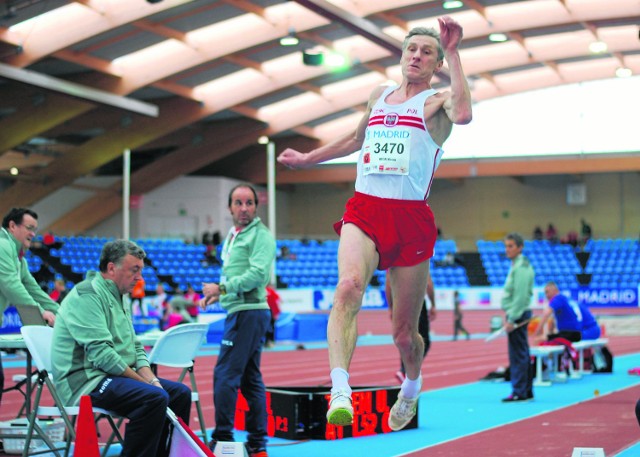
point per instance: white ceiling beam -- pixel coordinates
(86, 93)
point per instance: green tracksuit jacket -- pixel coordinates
(518, 288)
(17, 285)
(93, 338)
(247, 268)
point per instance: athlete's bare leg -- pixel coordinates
(357, 261)
(408, 286)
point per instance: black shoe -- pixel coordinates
(516, 398)
(258, 451)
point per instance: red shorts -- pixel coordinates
(404, 231)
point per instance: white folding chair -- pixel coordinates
(20, 382)
(39, 339)
(177, 348)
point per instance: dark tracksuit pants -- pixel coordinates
(238, 367)
(519, 359)
(145, 406)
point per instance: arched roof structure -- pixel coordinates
(80, 81)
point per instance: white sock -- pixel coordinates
(340, 379)
(411, 387)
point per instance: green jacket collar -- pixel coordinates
(108, 284)
(16, 243)
(254, 222)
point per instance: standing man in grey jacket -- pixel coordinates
(516, 303)
(247, 255)
(17, 285)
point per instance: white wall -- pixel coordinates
(182, 208)
(490, 207)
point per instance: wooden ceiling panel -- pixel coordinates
(548, 45)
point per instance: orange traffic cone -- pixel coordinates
(86, 434)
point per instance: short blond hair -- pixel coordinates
(424, 31)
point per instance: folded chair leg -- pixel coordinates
(115, 434)
(194, 389)
(32, 419)
(33, 426)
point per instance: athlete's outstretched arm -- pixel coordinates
(341, 147)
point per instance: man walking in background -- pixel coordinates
(516, 303)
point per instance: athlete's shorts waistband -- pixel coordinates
(390, 201)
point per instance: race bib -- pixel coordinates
(387, 151)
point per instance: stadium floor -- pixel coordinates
(458, 415)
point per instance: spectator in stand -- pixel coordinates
(537, 233)
(572, 238)
(585, 231)
(449, 259)
(273, 300)
(59, 290)
(158, 303)
(194, 298)
(216, 239)
(176, 312)
(206, 238)
(286, 254)
(552, 234)
(50, 241)
(137, 294)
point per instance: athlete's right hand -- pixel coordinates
(292, 158)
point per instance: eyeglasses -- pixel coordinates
(30, 228)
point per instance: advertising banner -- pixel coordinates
(607, 298)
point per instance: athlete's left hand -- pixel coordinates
(450, 34)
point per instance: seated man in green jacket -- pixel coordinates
(95, 352)
(17, 285)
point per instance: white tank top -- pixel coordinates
(398, 158)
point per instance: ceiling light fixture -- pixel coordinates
(290, 39)
(623, 72)
(335, 60)
(331, 59)
(312, 58)
(498, 37)
(452, 4)
(598, 47)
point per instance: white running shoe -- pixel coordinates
(402, 412)
(340, 408)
